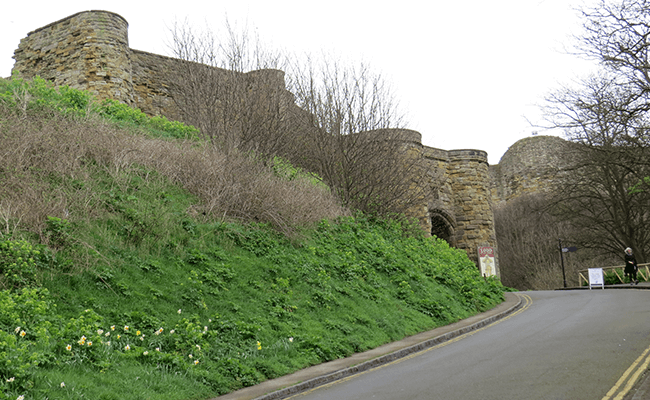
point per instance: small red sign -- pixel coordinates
(486, 252)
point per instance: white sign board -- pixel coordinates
(596, 277)
(487, 262)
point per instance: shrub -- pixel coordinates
(38, 94)
(17, 264)
(25, 336)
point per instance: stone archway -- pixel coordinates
(442, 227)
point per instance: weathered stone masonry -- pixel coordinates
(90, 50)
(461, 209)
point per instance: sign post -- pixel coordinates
(562, 261)
(562, 251)
(487, 261)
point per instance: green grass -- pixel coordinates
(211, 305)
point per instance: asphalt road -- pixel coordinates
(560, 345)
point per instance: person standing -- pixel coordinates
(630, 266)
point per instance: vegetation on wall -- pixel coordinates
(134, 264)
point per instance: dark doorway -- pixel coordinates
(442, 228)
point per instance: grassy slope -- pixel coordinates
(210, 306)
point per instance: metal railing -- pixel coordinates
(642, 267)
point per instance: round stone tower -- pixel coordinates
(472, 199)
(530, 165)
(88, 50)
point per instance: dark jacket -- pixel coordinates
(630, 263)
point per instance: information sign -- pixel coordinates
(596, 277)
(487, 261)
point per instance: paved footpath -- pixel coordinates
(321, 374)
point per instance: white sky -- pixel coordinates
(468, 74)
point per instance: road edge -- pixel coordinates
(318, 375)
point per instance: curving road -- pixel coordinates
(561, 345)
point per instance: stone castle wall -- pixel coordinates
(460, 210)
(529, 166)
(89, 50)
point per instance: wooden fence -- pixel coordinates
(642, 267)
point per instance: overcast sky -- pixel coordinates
(468, 74)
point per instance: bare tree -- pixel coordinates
(336, 122)
(606, 118)
(617, 34)
(529, 235)
(351, 137)
(231, 89)
(599, 202)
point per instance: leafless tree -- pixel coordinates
(607, 120)
(529, 235)
(352, 137)
(230, 89)
(528, 246)
(600, 199)
(335, 120)
(617, 34)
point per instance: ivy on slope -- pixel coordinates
(238, 305)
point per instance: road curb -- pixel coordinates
(641, 286)
(387, 358)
